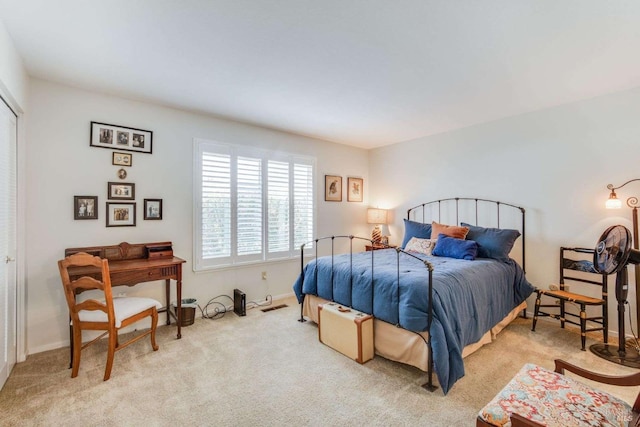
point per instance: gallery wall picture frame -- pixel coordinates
(355, 189)
(121, 191)
(122, 159)
(153, 209)
(85, 207)
(121, 214)
(117, 137)
(332, 188)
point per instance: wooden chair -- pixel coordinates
(574, 271)
(537, 397)
(109, 315)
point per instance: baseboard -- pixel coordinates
(613, 335)
(51, 346)
(283, 296)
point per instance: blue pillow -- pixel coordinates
(493, 243)
(415, 229)
(455, 248)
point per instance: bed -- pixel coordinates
(430, 309)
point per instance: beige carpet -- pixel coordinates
(267, 369)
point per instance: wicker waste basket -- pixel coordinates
(187, 311)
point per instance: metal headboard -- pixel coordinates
(474, 204)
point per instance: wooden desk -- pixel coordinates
(130, 264)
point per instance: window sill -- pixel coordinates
(250, 264)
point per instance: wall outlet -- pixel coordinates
(264, 275)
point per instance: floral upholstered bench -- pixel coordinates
(537, 396)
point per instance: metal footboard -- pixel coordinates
(399, 252)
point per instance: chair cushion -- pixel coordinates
(552, 399)
(123, 307)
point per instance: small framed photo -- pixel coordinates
(121, 159)
(121, 214)
(121, 191)
(121, 138)
(152, 208)
(85, 207)
(332, 188)
(355, 189)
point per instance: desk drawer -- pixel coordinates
(133, 277)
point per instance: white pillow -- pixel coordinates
(423, 246)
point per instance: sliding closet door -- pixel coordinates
(8, 283)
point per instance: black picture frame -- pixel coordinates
(121, 191)
(85, 207)
(152, 209)
(116, 137)
(121, 214)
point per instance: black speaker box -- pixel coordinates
(239, 302)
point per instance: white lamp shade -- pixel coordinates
(384, 229)
(613, 204)
(376, 216)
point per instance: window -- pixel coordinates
(251, 205)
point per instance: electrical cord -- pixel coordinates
(635, 338)
(219, 309)
(269, 300)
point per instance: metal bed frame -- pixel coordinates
(476, 203)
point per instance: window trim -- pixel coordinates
(200, 146)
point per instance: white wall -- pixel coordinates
(62, 164)
(14, 82)
(555, 163)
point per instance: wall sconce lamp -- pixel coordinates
(378, 217)
(614, 203)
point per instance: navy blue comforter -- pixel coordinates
(470, 297)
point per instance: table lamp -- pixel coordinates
(378, 217)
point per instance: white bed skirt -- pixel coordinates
(408, 347)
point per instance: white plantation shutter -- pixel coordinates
(302, 204)
(278, 205)
(251, 205)
(216, 205)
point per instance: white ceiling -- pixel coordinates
(359, 72)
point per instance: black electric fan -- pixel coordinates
(612, 255)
